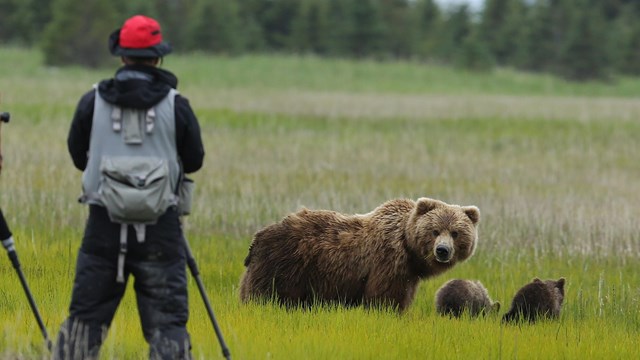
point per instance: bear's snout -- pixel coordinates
(444, 253)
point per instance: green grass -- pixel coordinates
(553, 169)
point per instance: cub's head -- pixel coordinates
(556, 288)
(442, 234)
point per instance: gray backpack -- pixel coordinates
(135, 190)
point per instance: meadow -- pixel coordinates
(553, 167)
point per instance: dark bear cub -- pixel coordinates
(537, 299)
(457, 296)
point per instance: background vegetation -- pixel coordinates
(576, 39)
(551, 164)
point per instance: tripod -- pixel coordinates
(8, 243)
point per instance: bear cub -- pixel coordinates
(535, 300)
(457, 296)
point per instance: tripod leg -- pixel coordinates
(193, 267)
(9, 245)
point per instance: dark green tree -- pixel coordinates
(78, 33)
(339, 27)
(310, 28)
(8, 23)
(173, 15)
(455, 30)
(428, 29)
(545, 32)
(611, 9)
(128, 8)
(366, 28)
(276, 19)
(583, 56)
(501, 28)
(474, 55)
(625, 41)
(252, 35)
(214, 27)
(400, 27)
(22, 21)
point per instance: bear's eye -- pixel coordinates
(436, 233)
(454, 234)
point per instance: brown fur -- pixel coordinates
(537, 299)
(375, 258)
(457, 296)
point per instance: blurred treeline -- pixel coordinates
(576, 39)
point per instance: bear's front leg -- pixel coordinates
(396, 293)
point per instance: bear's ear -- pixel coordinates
(473, 213)
(495, 307)
(425, 205)
(536, 280)
(560, 284)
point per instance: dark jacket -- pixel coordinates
(141, 93)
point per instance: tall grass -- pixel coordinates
(553, 169)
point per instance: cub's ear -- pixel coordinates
(472, 212)
(536, 280)
(424, 205)
(560, 284)
(495, 307)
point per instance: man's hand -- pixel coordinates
(0, 148)
(4, 117)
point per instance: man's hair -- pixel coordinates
(143, 60)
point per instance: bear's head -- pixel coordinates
(441, 234)
(556, 288)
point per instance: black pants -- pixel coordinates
(158, 266)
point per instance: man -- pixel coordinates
(158, 262)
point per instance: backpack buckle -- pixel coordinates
(116, 119)
(150, 120)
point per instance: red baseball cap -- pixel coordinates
(140, 36)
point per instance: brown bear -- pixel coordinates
(457, 296)
(376, 258)
(537, 299)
